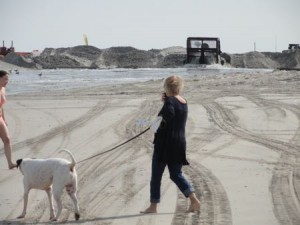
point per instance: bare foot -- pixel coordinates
(195, 207)
(148, 211)
(151, 209)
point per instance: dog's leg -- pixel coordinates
(57, 191)
(72, 193)
(49, 193)
(75, 201)
(26, 193)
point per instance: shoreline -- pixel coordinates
(44, 81)
(242, 136)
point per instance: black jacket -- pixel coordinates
(169, 140)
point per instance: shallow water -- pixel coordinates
(51, 80)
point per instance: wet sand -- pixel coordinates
(243, 136)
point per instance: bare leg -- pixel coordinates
(151, 209)
(195, 203)
(7, 151)
(6, 141)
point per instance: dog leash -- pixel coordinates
(109, 150)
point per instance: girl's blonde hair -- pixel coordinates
(173, 85)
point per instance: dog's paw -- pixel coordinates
(21, 216)
(77, 216)
(53, 219)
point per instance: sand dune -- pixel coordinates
(8, 66)
(243, 137)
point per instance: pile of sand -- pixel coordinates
(270, 60)
(128, 57)
(8, 66)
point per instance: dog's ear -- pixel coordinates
(19, 161)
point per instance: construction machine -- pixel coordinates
(203, 50)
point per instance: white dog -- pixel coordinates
(50, 175)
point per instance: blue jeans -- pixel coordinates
(175, 175)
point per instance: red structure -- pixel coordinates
(23, 53)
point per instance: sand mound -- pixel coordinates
(264, 60)
(128, 57)
(8, 66)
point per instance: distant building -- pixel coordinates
(36, 53)
(4, 51)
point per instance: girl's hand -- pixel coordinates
(163, 96)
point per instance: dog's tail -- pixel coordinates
(19, 161)
(73, 163)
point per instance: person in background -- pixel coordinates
(170, 146)
(3, 125)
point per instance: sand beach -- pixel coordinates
(243, 137)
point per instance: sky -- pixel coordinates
(241, 25)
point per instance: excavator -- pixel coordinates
(203, 50)
(294, 47)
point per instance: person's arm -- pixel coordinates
(2, 109)
(3, 115)
(168, 111)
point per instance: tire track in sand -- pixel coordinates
(285, 192)
(221, 118)
(285, 183)
(215, 207)
(41, 207)
(112, 169)
(65, 128)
